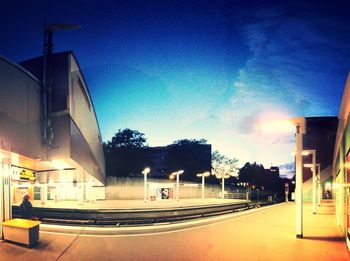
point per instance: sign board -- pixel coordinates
(20, 174)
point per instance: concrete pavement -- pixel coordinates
(264, 234)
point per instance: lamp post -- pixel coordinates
(223, 177)
(177, 173)
(313, 168)
(203, 175)
(286, 190)
(300, 129)
(247, 191)
(145, 172)
(318, 184)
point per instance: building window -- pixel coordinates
(81, 86)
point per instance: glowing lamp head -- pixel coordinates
(304, 153)
(205, 174)
(146, 171)
(281, 126)
(60, 164)
(308, 165)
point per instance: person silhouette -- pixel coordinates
(26, 208)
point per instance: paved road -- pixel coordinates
(267, 234)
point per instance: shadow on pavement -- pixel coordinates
(319, 238)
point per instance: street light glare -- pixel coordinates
(308, 165)
(205, 174)
(304, 153)
(146, 171)
(280, 126)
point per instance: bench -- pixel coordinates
(23, 231)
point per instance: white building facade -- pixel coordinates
(71, 166)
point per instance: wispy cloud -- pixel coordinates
(280, 61)
(288, 73)
(287, 170)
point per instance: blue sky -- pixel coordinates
(198, 69)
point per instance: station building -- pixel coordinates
(330, 137)
(341, 165)
(57, 156)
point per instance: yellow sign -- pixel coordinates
(25, 174)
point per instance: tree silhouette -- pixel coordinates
(125, 154)
(126, 138)
(190, 155)
(189, 141)
(222, 165)
(260, 178)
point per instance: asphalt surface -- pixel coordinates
(263, 234)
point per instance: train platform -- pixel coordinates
(267, 233)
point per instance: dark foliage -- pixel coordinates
(192, 156)
(263, 179)
(125, 154)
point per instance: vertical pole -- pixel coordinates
(299, 182)
(314, 182)
(247, 192)
(202, 187)
(6, 190)
(81, 193)
(43, 193)
(145, 187)
(319, 184)
(223, 187)
(2, 201)
(177, 186)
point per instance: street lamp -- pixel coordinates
(318, 181)
(247, 191)
(300, 129)
(223, 177)
(286, 190)
(145, 172)
(313, 168)
(318, 184)
(203, 175)
(177, 173)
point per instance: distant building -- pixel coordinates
(192, 158)
(274, 170)
(320, 136)
(158, 158)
